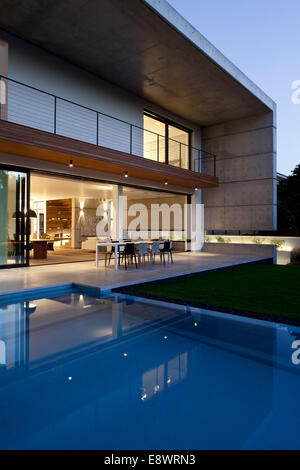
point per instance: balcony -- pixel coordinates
(65, 130)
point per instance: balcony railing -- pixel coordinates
(29, 106)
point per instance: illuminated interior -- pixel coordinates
(165, 142)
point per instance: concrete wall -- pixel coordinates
(37, 68)
(261, 251)
(288, 243)
(246, 167)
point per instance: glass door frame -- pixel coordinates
(24, 204)
(168, 122)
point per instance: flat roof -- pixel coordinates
(144, 46)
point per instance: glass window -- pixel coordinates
(13, 197)
(154, 139)
(157, 132)
(178, 147)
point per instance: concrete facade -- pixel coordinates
(246, 168)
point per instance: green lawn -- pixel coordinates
(267, 289)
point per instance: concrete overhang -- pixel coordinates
(144, 46)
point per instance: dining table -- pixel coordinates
(116, 245)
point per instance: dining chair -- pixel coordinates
(155, 250)
(167, 249)
(143, 252)
(108, 254)
(128, 254)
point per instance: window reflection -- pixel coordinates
(164, 376)
(2, 353)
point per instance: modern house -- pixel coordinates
(105, 99)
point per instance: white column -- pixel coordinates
(197, 222)
(117, 216)
(75, 224)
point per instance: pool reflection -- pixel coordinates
(121, 373)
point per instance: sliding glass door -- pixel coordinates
(166, 141)
(14, 218)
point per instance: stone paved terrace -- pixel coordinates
(105, 278)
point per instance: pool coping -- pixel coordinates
(6, 296)
(163, 277)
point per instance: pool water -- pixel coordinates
(117, 372)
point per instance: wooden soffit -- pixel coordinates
(24, 141)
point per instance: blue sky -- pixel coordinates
(262, 38)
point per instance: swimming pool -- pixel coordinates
(79, 371)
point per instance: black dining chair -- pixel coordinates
(111, 252)
(128, 254)
(167, 249)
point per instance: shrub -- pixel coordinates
(207, 239)
(220, 240)
(258, 241)
(278, 243)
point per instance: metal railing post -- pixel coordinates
(130, 139)
(54, 126)
(180, 155)
(97, 137)
(157, 147)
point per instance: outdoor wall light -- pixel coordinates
(71, 164)
(126, 174)
(166, 182)
(196, 188)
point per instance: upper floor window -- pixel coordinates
(166, 141)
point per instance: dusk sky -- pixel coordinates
(262, 38)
